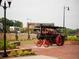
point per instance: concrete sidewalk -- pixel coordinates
(34, 57)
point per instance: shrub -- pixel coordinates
(20, 53)
(72, 38)
(12, 46)
(13, 53)
(29, 53)
(26, 52)
(8, 46)
(2, 44)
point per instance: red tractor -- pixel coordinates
(49, 35)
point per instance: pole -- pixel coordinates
(28, 31)
(64, 28)
(5, 53)
(64, 17)
(16, 35)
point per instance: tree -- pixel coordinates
(71, 31)
(11, 23)
(18, 24)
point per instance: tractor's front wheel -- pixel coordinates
(39, 43)
(59, 40)
(46, 43)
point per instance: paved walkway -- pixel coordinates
(62, 52)
(53, 52)
(34, 57)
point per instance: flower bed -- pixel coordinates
(19, 52)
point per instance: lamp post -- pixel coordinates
(15, 30)
(4, 24)
(64, 21)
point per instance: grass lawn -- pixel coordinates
(28, 42)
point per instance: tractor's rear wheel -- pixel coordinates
(59, 40)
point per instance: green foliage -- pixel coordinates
(72, 38)
(20, 53)
(2, 44)
(12, 46)
(23, 53)
(72, 31)
(27, 53)
(8, 46)
(18, 24)
(11, 23)
(31, 53)
(13, 53)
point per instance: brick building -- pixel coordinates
(32, 26)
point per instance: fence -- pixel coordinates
(21, 36)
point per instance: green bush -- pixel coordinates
(31, 53)
(72, 38)
(8, 46)
(12, 46)
(2, 44)
(13, 53)
(20, 53)
(26, 53)
(23, 53)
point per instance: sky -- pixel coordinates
(44, 11)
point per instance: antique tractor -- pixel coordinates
(49, 35)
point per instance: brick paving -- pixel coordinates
(62, 52)
(66, 51)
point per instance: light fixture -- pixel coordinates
(0, 2)
(9, 2)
